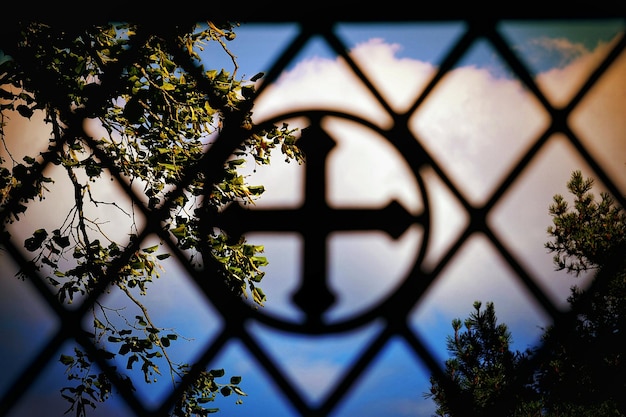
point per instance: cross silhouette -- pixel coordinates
(314, 220)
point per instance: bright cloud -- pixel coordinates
(476, 126)
(561, 82)
(567, 49)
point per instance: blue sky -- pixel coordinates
(475, 125)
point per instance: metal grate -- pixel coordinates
(316, 219)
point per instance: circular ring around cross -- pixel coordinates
(316, 219)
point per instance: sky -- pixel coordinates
(475, 125)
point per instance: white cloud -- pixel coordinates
(560, 83)
(566, 48)
(476, 126)
(317, 83)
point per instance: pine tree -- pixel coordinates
(579, 369)
(482, 367)
(585, 369)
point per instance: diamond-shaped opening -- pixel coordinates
(561, 55)
(264, 396)
(314, 364)
(477, 121)
(392, 385)
(399, 58)
(448, 218)
(319, 79)
(364, 169)
(44, 396)
(173, 318)
(27, 322)
(478, 273)
(521, 217)
(367, 267)
(599, 122)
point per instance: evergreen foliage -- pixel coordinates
(579, 370)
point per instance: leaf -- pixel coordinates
(236, 162)
(33, 243)
(225, 391)
(131, 360)
(180, 231)
(66, 360)
(171, 167)
(257, 76)
(163, 256)
(20, 208)
(124, 349)
(247, 91)
(258, 295)
(239, 391)
(151, 249)
(235, 380)
(256, 189)
(48, 262)
(217, 373)
(25, 111)
(62, 241)
(259, 260)
(133, 110)
(5, 94)
(165, 342)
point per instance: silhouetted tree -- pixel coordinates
(482, 367)
(585, 370)
(580, 368)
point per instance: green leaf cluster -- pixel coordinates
(196, 398)
(91, 388)
(157, 110)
